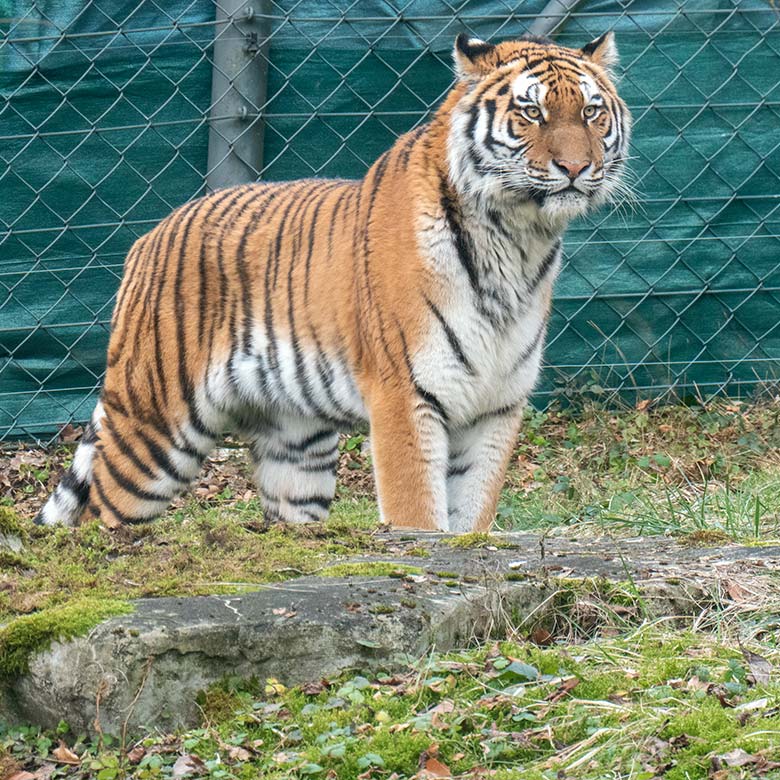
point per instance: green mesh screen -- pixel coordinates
(105, 108)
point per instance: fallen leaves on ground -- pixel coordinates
(760, 668)
(188, 766)
(738, 758)
(563, 690)
(65, 755)
(430, 765)
(444, 707)
(315, 688)
(136, 754)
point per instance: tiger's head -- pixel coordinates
(538, 122)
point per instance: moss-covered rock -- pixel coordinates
(24, 636)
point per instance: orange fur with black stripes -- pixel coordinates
(416, 298)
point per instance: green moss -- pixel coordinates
(369, 569)
(476, 539)
(196, 551)
(219, 704)
(11, 523)
(12, 560)
(29, 634)
(517, 576)
(446, 575)
(382, 609)
(708, 537)
(418, 552)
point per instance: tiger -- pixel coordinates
(416, 299)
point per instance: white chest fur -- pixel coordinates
(485, 337)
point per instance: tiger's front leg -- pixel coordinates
(409, 450)
(479, 455)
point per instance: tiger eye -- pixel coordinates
(532, 112)
(590, 111)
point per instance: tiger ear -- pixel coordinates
(469, 56)
(603, 51)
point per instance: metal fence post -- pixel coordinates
(551, 16)
(238, 92)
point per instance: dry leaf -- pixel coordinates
(70, 433)
(315, 688)
(274, 688)
(737, 757)
(188, 765)
(760, 668)
(136, 754)
(736, 592)
(439, 686)
(758, 704)
(430, 766)
(433, 768)
(65, 755)
(238, 753)
(695, 684)
(442, 708)
(20, 776)
(565, 687)
(541, 636)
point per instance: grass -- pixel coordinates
(648, 704)
(673, 470)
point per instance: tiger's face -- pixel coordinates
(540, 123)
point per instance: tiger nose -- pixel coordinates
(572, 168)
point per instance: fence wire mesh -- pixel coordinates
(113, 113)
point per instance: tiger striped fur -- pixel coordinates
(417, 299)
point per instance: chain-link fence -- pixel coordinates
(115, 111)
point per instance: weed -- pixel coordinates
(648, 704)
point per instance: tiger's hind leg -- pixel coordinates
(140, 465)
(295, 470)
(69, 500)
